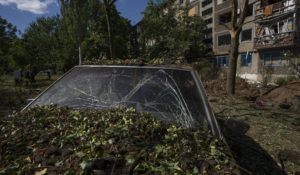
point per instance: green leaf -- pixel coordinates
(80, 154)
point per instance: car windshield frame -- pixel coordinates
(211, 119)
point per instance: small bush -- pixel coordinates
(206, 69)
(267, 73)
(285, 80)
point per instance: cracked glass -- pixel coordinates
(169, 94)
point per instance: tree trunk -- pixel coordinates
(233, 57)
(110, 33)
(80, 54)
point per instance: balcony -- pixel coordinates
(275, 40)
(267, 12)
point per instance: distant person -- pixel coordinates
(17, 76)
(27, 76)
(31, 74)
(49, 74)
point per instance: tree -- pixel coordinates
(68, 50)
(7, 36)
(97, 44)
(167, 31)
(236, 27)
(41, 43)
(108, 6)
(76, 14)
(18, 54)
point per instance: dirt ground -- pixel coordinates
(243, 89)
(272, 142)
(287, 96)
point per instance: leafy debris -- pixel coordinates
(116, 141)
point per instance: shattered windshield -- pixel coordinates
(169, 94)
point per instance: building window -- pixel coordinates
(275, 58)
(180, 1)
(246, 59)
(208, 21)
(207, 41)
(206, 2)
(249, 12)
(246, 35)
(208, 31)
(224, 40)
(207, 12)
(222, 61)
(225, 18)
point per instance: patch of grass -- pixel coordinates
(285, 80)
(13, 98)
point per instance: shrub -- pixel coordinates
(285, 80)
(206, 69)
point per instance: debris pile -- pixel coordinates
(242, 88)
(51, 140)
(286, 96)
(135, 62)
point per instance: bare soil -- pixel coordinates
(284, 96)
(243, 89)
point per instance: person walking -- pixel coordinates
(17, 76)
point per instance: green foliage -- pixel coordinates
(285, 80)
(96, 44)
(131, 62)
(76, 14)
(207, 70)
(41, 43)
(266, 73)
(168, 32)
(115, 141)
(7, 36)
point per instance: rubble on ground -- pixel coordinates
(286, 96)
(243, 89)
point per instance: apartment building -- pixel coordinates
(248, 62)
(270, 33)
(277, 24)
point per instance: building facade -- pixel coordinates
(269, 35)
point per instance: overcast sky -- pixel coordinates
(22, 12)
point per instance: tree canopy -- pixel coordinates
(42, 43)
(84, 31)
(7, 37)
(168, 31)
(76, 14)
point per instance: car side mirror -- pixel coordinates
(232, 126)
(29, 100)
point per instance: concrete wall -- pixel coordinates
(251, 72)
